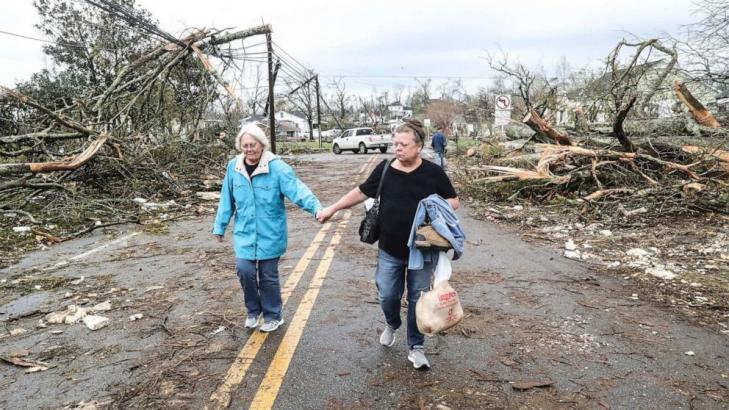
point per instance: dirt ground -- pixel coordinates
(541, 330)
(680, 263)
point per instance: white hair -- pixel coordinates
(254, 131)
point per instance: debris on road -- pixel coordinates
(17, 331)
(102, 307)
(32, 365)
(528, 385)
(94, 322)
(72, 314)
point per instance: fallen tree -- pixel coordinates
(681, 179)
(88, 157)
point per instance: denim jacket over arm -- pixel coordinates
(444, 220)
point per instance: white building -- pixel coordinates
(399, 112)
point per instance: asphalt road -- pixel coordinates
(531, 316)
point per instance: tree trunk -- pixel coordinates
(699, 112)
(82, 158)
(535, 122)
(618, 126)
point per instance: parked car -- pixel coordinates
(361, 140)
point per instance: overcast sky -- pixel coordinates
(384, 43)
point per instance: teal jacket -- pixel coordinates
(260, 231)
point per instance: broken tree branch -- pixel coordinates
(534, 121)
(79, 160)
(698, 111)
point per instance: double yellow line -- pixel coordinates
(268, 390)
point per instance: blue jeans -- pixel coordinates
(390, 278)
(440, 159)
(261, 289)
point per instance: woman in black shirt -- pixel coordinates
(408, 180)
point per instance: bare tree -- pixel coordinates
(442, 113)
(257, 93)
(304, 99)
(625, 82)
(705, 44)
(421, 95)
(341, 99)
(534, 89)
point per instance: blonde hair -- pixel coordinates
(254, 131)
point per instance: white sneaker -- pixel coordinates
(387, 338)
(271, 325)
(252, 322)
(417, 357)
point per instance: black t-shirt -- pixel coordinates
(399, 198)
(250, 168)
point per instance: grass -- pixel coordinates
(464, 143)
(307, 147)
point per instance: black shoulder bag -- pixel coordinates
(369, 228)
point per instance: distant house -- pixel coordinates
(259, 120)
(398, 111)
(286, 130)
(299, 118)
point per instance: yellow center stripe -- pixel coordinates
(271, 383)
(220, 399)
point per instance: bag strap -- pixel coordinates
(382, 177)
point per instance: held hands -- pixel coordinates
(325, 214)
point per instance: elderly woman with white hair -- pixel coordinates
(254, 187)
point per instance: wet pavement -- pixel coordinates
(530, 316)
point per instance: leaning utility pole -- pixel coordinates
(271, 79)
(275, 74)
(318, 109)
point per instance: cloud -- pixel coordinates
(406, 38)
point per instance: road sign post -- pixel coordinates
(502, 111)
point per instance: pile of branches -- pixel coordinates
(661, 179)
(615, 173)
(80, 162)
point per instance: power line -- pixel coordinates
(290, 56)
(33, 38)
(415, 77)
(130, 16)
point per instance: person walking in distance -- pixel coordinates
(439, 144)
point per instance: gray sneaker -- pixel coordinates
(252, 322)
(387, 338)
(417, 357)
(271, 325)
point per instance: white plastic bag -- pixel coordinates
(440, 308)
(442, 269)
